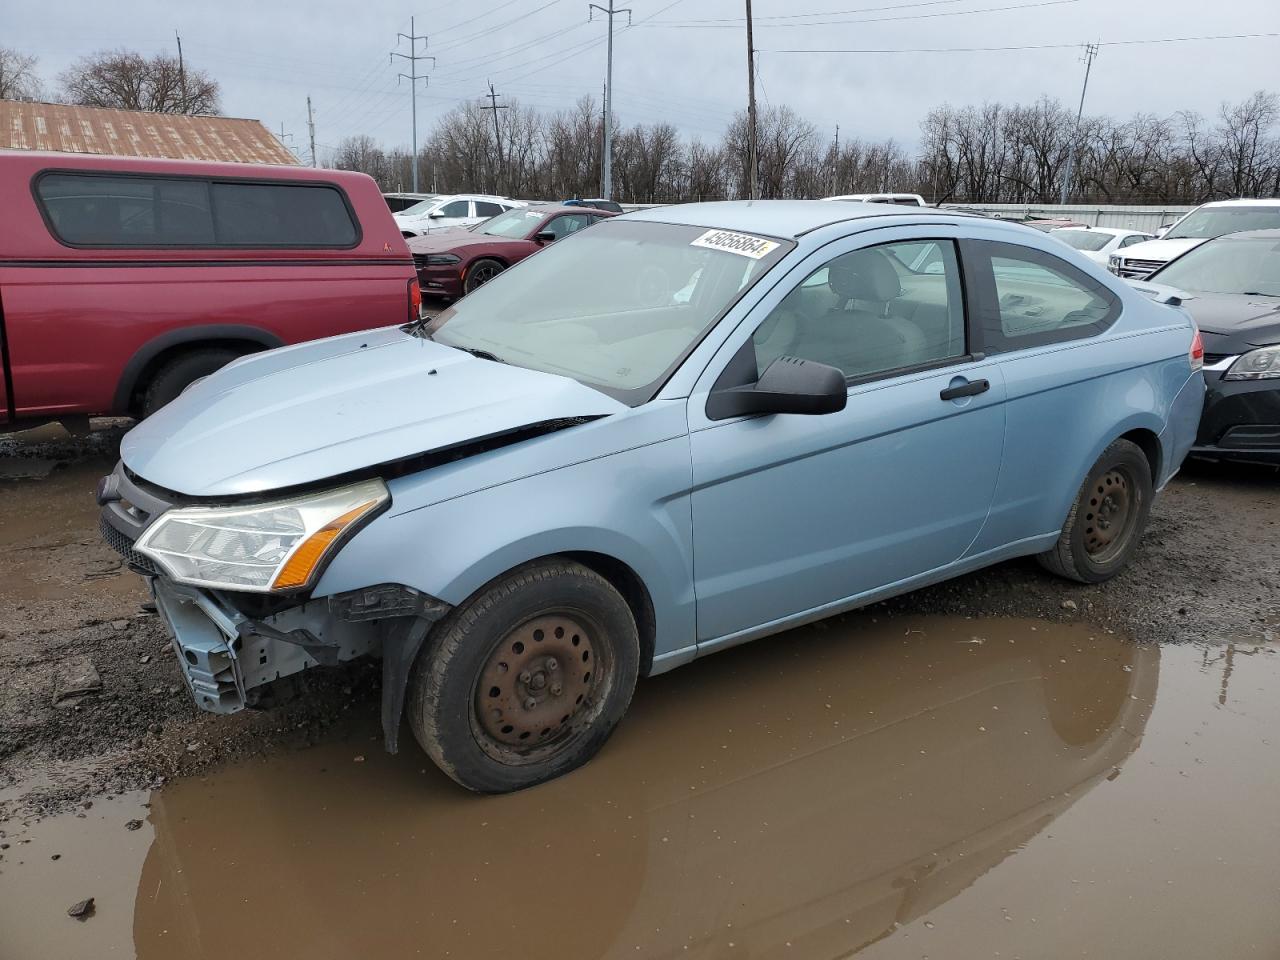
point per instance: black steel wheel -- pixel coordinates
(526, 680)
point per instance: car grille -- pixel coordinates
(1138, 269)
(124, 546)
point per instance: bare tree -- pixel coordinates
(127, 80)
(18, 78)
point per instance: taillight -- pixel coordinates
(415, 300)
(1196, 353)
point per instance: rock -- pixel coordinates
(1068, 604)
(76, 677)
(145, 658)
(119, 624)
(82, 910)
(56, 856)
(193, 746)
(133, 825)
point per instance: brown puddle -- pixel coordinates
(903, 788)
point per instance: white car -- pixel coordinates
(1098, 243)
(901, 199)
(1206, 222)
(454, 210)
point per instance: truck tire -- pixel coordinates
(179, 373)
(1106, 521)
(527, 679)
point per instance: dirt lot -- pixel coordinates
(92, 703)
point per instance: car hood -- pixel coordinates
(1162, 250)
(449, 241)
(303, 414)
(1235, 323)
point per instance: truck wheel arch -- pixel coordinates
(159, 350)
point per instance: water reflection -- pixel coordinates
(800, 796)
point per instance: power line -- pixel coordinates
(1031, 46)
(676, 24)
(804, 16)
(413, 57)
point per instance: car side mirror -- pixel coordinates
(435, 215)
(544, 236)
(788, 385)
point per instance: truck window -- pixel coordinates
(92, 210)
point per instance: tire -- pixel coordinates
(179, 373)
(487, 695)
(1107, 519)
(480, 273)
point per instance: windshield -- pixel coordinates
(616, 307)
(1214, 222)
(421, 208)
(1082, 239)
(1231, 265)
(513, 223)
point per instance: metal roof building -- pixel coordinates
(66, 128)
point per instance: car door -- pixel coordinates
(1041, 318)
(794, 514)
(455, 213)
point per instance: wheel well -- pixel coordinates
(1149, 444)
(628, 583)
(158, 362)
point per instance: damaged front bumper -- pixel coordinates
(228, 649)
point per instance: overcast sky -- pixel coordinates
(684, 62)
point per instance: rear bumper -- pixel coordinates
(1241, 421)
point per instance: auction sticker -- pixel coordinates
(743, 244)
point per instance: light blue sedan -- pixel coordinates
(673, 432)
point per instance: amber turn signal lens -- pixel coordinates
(298, 569)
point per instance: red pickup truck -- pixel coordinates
(122, 279)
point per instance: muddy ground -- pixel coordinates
(91, 702)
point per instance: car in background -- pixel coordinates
(1049, 224)
(455, 262)
(398, 202)
(611, 205)
(449, 212)
(1231, 287)
(1205, 222)
(1098, 243)
(505, 501)
(900, 199)
(123, 279)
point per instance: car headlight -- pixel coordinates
(1260, 364)
(260, 548)
(1113, 263)
(442, 259)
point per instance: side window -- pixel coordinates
(486, 209)
(1040, 299)
(281, 215)
(1133, 238)
(566, 224)
(456, 208)
(129, 211)
(126, 211)
(870, 311)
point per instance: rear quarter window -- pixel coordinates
(93, 210)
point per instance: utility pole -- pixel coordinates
(497, 133)
(606, 162)
(1090, 51)
(835, 161)
(311, 127)
(182, 73)
(412, 76)
(753, 189)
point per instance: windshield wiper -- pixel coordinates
(481, 354)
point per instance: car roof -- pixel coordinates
(1244, 202)
(781, 218)
(1114, 231)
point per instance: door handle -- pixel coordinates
(970, 389)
